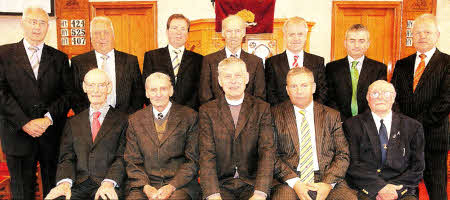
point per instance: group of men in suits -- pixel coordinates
(240, 147)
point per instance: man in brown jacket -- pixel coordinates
(312, 149)
(236, 139)
(161, 153)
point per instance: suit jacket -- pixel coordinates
(173, 160)
(130, 92)
(80, 158)
(404, 157)
(331, 145)
(247, 148)
(187, 81)
(209, 82)
(23, 98)
(340, 84)
(430, 103)
(277, 68)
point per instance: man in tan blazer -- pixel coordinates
(236, 139)
(233, 31)
(161, 153)
(313, 153)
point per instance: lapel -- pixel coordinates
(394, 137)
(107, 125)
(409, 75)
(366, 70)
(284, 64)
(430, 67)
(120, 62)
(45, 62)
(167, 61)
(244, 114)
(291, 124)
(22, 59)
(244, 56)
(319, 127)
(185, 62)
(149, 124)
(346, 74)
(172, 122)
(225, 114)
(222, 55)
(372, 131)
(85, 128)
(307, 61)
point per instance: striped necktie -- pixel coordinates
(295, 64)
(176, 61)
(355, 76)
(306, 153)
(34, 60)
(419, 71)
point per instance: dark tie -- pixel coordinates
(160, 116)
(234, 55)
(383, 141)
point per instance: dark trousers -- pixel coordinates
(85, 191)
(22, 170)
(236, 189)
(435, 174)
(138, 194)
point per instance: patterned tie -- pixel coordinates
(295, 64)
(234, 55)
(95, 127)
(104, 57)
(34, 60)
(306, 155)
(176, 61)
(355, 76)
(383, 141)
(160, 116)
(419, 71)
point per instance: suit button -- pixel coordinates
(378, 170)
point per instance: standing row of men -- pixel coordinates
(236, 141)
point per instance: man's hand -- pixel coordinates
(63, 189)
(323, 189)
(150, 191)
(106, 190)
(302, 190)
(257, 196)
(36, 127)
(389, 192)
(164, 192)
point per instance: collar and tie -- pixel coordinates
(34, 60)
(160, 116)
(176, 61)
(234, 55)
(306, 153)
(104, 58)
(95, 126)
(419, 71)
(355, 77)
(382, 134)
(295, 64)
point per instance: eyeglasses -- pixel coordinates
(100, 86)
(36, 22)
(386, 95)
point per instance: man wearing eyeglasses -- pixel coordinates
(36, 87)
(386, 149)
(91, 162)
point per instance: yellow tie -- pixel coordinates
(306, 155)
(176, 61)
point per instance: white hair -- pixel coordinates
(101, 19)
(157, 75)
(33, 5)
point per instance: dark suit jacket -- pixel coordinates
(209, 82)
(173, 160)
(23, 98)
(404, 158)
(249, 147)
(331, 145)
(80, 158)
(277, 68)
(188, 78)
(130, 92)
(430, 103)
(340, 84)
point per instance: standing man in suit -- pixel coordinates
(386, 149)
(295, 31)
(312, 149)
(127, 93)
(349, 77)
(36, 88)
(183, 66)
(233, 31)
(237, 150)
(91, 154)
(162, 146)
(422, 81)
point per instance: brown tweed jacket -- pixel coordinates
(173, 160)
(331, 145)
(249, 147)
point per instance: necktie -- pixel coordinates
(419, 71)
(160, 116)
(176, 61)
(295, 64)
(306, 155)
(383, 141)
(34, 60)
(104, 61)
(95, 126)
(355, 76)
(234, 55)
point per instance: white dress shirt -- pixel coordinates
(228, 52)
(110, 69)
(387, 121)
(358, 66)
(429, 54)
(291, 55)
(172, 54)
(164, 112)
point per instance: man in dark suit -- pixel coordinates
(36, 88)
(312, 150)
(237, 150)
(295, 31)
(127, 93)
(422, 81)
(349, 77)
(162, 146)
(91, 154)
(386, 149)
(183, 66)
(233, 31)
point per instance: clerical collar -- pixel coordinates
(235, 102)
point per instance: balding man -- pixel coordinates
(233, 31)
(127, 93)
(162, 146)
(91, 154)
(386, 149)
(422, 81)
(36, 85)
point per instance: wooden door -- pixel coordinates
(135, 25)
(381, 18)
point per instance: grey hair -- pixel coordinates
(157, 75)
(32, 6)
(101, 19)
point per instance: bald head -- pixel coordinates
(381, 96)
(97, 86)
